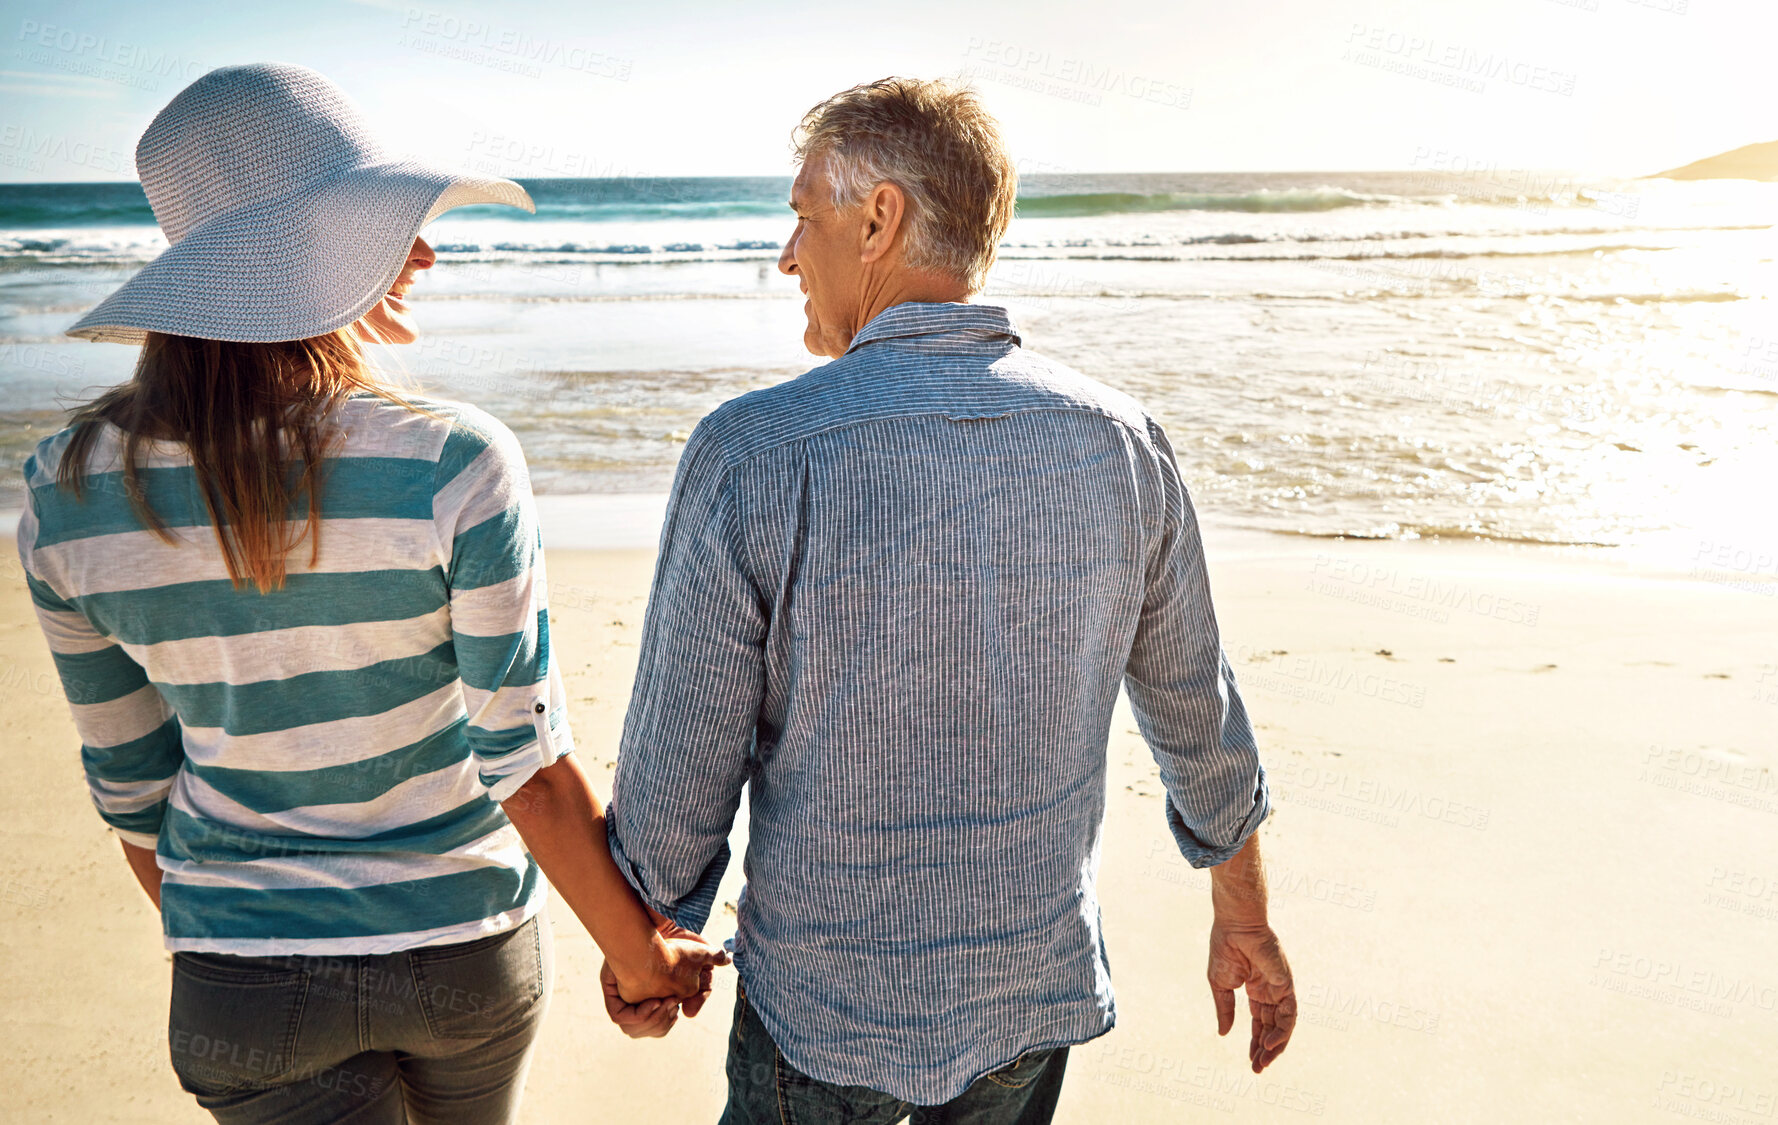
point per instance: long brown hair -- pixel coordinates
(244, 411)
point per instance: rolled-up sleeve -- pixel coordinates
(131, 747)
(512, 687)
(1182, 688)
(689, 732)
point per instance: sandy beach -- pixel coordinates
(1522, 859)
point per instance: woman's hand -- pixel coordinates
(679, 965)
(650, 1019)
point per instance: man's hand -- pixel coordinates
(675, 933)
(1248, 954)
(1244, 952)
(654, 1016)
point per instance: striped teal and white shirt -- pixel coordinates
(318, 768)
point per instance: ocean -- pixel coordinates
(1491, 354)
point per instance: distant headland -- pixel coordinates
(1749, 162)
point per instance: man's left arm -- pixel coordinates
(699, 684)
(1183, 693)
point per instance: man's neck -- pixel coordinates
(904, 287)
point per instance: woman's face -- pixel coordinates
(391, 322)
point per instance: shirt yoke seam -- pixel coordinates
(738, 463)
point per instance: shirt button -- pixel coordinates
(539, 708)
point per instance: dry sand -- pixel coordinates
(1524, 861)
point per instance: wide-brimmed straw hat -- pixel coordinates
(285, 217)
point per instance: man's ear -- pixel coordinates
(880, 220)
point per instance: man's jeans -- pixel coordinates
(442, 1033)
(764, 1089)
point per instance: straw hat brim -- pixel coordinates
(303, 266)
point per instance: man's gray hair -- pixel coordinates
(936, 143)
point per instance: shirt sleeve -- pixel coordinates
(689, 734)
(131, 748)
(512, 688)
(1183, 691)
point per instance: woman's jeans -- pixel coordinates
(437, 1034)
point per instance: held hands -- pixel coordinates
(1248, 954)
(645, 1000)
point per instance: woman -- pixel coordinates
(302, 626)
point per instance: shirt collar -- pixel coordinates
(963, 322)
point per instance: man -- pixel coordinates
(896, 598)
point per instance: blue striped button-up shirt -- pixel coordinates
(896, 598)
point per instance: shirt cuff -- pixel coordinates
(142, 840)
(1200, 854)
(132, 809)
(693, 910)
(554, 741)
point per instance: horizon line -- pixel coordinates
(1445, 173)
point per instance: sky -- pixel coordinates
(693, 87)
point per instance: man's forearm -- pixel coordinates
(1238, 886)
